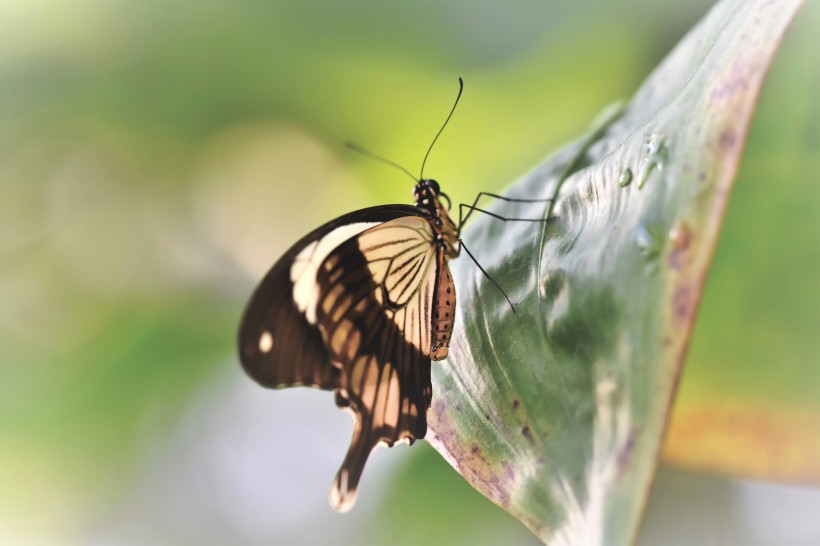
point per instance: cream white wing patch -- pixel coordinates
(400, 255)
(306, 264)
(413, 320)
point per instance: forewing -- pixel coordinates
(375, 317)
(280, 344)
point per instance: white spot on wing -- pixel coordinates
(266, 342)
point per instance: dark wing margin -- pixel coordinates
(278, 346)
(375, 317)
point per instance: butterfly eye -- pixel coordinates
(433, 185)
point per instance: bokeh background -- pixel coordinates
(155, 159)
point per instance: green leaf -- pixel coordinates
(556, 412)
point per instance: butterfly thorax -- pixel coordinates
(426, 194)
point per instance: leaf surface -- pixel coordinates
(556, 412)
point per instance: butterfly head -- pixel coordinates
(426, 194)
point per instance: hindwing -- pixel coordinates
(375, 317)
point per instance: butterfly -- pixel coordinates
(361, 306)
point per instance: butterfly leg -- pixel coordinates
(474, 207)
(470, 254)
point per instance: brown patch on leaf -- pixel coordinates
(728, 139)
(527, 433)
(491, 477)
(681, 238)
(440, 408)
(682, 303)
(509, 471)
(625, 453)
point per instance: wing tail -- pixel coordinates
(343, 491)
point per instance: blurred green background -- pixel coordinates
(155, 159)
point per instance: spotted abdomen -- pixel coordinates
(444, 310)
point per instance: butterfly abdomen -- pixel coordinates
(444, 307)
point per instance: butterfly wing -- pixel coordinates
(375, 316)
(280, 344)
(349, 308)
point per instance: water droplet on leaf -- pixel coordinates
(648, 241)
(655, 147)
(626, 178)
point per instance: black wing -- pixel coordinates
(278, 345)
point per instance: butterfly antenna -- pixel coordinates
(356, 148)
(460, 89)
